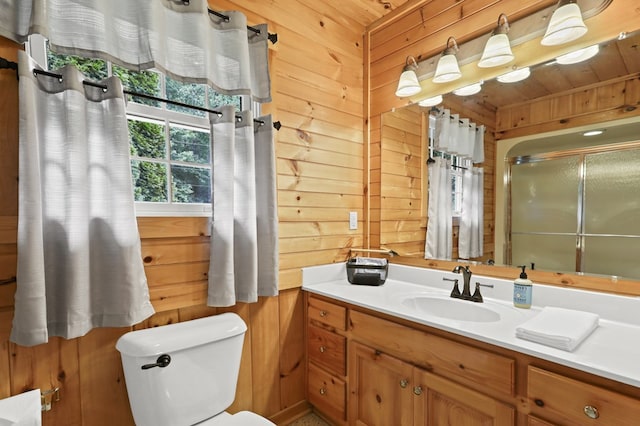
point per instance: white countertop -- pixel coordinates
(611, 351)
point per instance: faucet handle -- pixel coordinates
(455, 292)
(477, 297)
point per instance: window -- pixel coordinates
(169, 144)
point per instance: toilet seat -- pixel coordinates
(243, 418)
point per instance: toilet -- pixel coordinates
(186, 373)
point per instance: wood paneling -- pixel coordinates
(318, 92)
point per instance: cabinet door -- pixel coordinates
(441, 402)
(381, 389)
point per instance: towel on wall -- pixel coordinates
(559, 328)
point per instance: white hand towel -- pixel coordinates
(21, 410)
(558, 327)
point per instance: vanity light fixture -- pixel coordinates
(515, 76)
(469, 90)
(578, 55)
(408, 85)
(565, 25)
(429, 102)
(447, 69)
(497, 51)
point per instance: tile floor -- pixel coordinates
(309, 420)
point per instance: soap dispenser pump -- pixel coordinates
(522, 290)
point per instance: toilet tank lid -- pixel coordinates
(174, 337)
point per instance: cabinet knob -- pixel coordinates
(324, 313)
(323, 391)
(404, 383)
(417, 390)
(591, 412)
(322, 349)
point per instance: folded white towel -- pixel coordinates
(558, 327)
(21, 410)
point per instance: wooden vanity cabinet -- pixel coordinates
(327, 358)
(368, 368)
(388, 391)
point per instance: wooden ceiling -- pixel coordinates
(366, 12)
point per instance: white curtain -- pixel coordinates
(244, 250)
(439, 240)
(182, 40)
(470, 237)
(79, 257)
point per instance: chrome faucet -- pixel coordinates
(466, 277)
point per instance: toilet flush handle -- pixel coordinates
(162, 361)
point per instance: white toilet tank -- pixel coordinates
(198, 382)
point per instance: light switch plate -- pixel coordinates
(353, 220)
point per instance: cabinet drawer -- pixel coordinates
(327, 393)
(564, 400)
(327, 313)
(327, 349)
(456, 361)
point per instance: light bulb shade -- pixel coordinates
(469, 90)
(447, 69)
(431, 101)
(408, 85)
(515, 76)
(496, 52)
(578, 55)
(566, 25)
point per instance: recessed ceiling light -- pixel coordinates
(593, 132)
(515, 76)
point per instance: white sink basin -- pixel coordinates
(455, 309)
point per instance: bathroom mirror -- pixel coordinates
(616, 60)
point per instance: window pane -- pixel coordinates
(149, 181)
(147, 139)
(190, 145)
(191, 184)
(187, 93)
(93, 69)
(217, 99)
(146, 82)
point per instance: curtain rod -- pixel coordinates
(440, 111)
(273, 38)
(5, 64)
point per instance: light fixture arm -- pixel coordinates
(410, 64)
(502, 27)
(451, 50)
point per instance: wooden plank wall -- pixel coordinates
(606, 101)
(317, 81)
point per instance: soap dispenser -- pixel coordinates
(522, 290)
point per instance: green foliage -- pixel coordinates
(191, 184)
(149, 181)
(145, 82)
(147, 139)
(93, 69)
(190, 146)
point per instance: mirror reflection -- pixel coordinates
(552, 197)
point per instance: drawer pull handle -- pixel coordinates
(417, 390)
(322, 349)
(404, 383)
(591, 412)
(323, 391)
(324, 313)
